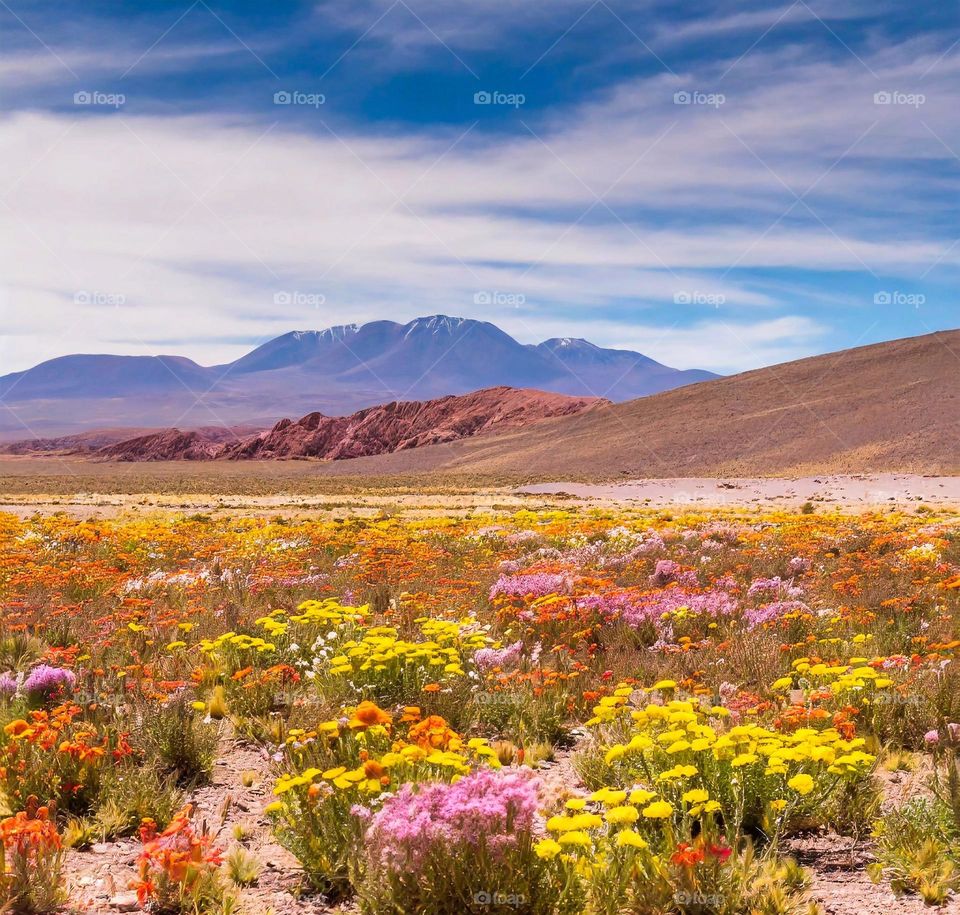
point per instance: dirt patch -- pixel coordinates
(100, 879)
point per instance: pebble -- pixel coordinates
(125, 902)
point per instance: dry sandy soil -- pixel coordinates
(116, 490)
(849, 492)
(118, 493)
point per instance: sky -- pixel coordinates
(719, 185)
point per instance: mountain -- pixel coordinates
(887, 407)
(73, 377)
(376, 430)
(335, 371)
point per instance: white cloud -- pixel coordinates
(196, 223)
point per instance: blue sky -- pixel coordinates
(717, 185)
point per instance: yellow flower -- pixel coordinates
(641, 796)
(658, 810)
(609, 796)
(665, 684)
(547, 848)
(696, 796)
(802, 783)
(614, 753)
(619, 816)
(274, 807)
(576, 837)
(627, 838)
(576, 803)
(708, 807)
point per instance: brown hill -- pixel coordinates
(166, 445)
(379, 430)
(100, 439)
(889, 406)
(78, 443)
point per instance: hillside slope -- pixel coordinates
(888, 406)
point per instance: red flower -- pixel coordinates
(720, 852)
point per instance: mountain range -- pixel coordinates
(336, 371)
(892, 406)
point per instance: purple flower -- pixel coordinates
(931, 738)
(650, 608)
(8, 685)
(485, 809)
(45, 683)
(533, 584)
(665, 572)
(488, 658)
(768, 613)
(767, 586)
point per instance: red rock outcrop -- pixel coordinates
(390, 427)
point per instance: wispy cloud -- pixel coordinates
(760, 213)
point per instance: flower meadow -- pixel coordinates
(606, 711)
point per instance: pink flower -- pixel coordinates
(932, 738)
(485, 809)
(533, 584)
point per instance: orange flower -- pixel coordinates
(686, 855)
(367, 715)
(373, 769)
(18, 728)
(433, 733)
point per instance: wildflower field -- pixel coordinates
(601, 711)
